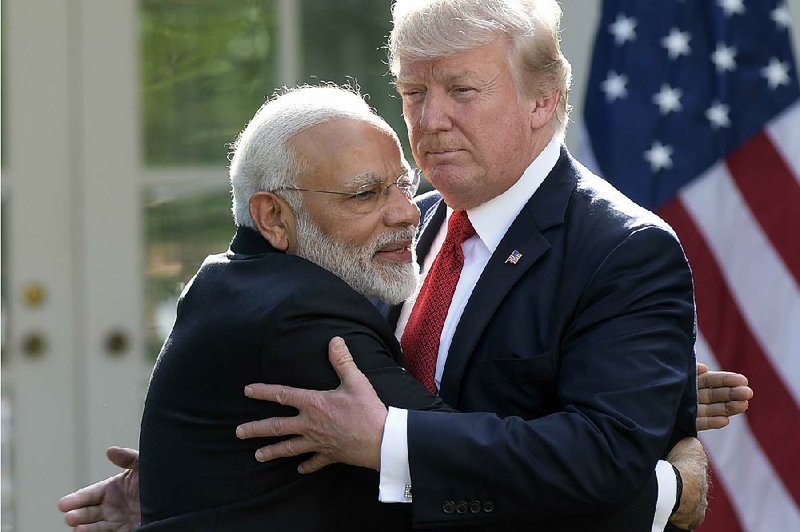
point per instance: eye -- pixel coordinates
(412, 94)
(461, 91)
(367, 193)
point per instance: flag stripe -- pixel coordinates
(751, 483)
(773, 194)
(765, 292)
(785, 135)
(695, 106)
(721, 514)
(729, 336)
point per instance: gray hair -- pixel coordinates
(431, 29)
(263, 158)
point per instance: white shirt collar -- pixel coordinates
(492, 219)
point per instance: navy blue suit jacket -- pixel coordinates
(583, 354)
(255, 314)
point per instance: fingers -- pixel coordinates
(284, 449)
(711, 423)
(725, 394)
(283, 395)
(83, 516)
(271, 427)
(341, 359)
(88, 496)
(313, 464)
(731, 408)
(720, 379)
(123, 457)
(716, 415)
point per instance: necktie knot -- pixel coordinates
(459, 228)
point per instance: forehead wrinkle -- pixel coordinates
(446, 76)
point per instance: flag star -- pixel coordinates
(781, 17)
(659, 156)
(668, 99)
(732, 7)
(615, 86)
(724, 57)
(623, 29)
(717, 114)
(676, 43)
(776, 72)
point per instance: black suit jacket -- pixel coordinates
(582, 351)
(258, 315)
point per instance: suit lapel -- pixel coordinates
(544, 210)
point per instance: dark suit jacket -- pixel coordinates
(583, 351)
(258, 315)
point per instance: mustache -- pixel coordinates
(436, 144)
(406, 233)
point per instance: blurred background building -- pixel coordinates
(118, 115)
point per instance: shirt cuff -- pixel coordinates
(667, 491)
(395, 481)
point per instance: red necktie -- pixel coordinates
(420, 340)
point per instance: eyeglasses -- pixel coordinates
(371, 197)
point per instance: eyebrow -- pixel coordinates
(364, 179)
(370, 178)
(446, 77)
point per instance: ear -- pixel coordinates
(274, 220)
(544, 108)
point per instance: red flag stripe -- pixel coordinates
(755, 489)
(721, 514)
(773, 194)
(765, 291)
(730, 338)
(785, 136)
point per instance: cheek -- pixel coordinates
(358, 232)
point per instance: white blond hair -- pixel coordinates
(263, 158)
(431, 29)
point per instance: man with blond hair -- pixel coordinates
(550, 300)
(570, 317)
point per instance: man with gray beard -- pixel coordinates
(322, 202)
(320, 226)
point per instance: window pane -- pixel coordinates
(184, 223)
(206, 66)
(345, 40)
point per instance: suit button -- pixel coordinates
(462, 507)
(475, 506)
(488, 506)
(448, 507)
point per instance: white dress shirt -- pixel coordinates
(491, 220)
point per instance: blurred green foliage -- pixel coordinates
(206, 66)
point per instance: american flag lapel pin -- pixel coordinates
(514, 257)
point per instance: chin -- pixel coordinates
(397, 284)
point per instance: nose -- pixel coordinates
(434, 114)
(399, 210)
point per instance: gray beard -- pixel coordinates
(389, 282)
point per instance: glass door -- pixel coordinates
(73, 370)
(118, 120)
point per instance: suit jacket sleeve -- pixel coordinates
(625, 360)
(296, 346)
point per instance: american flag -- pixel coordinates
(692, 110)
